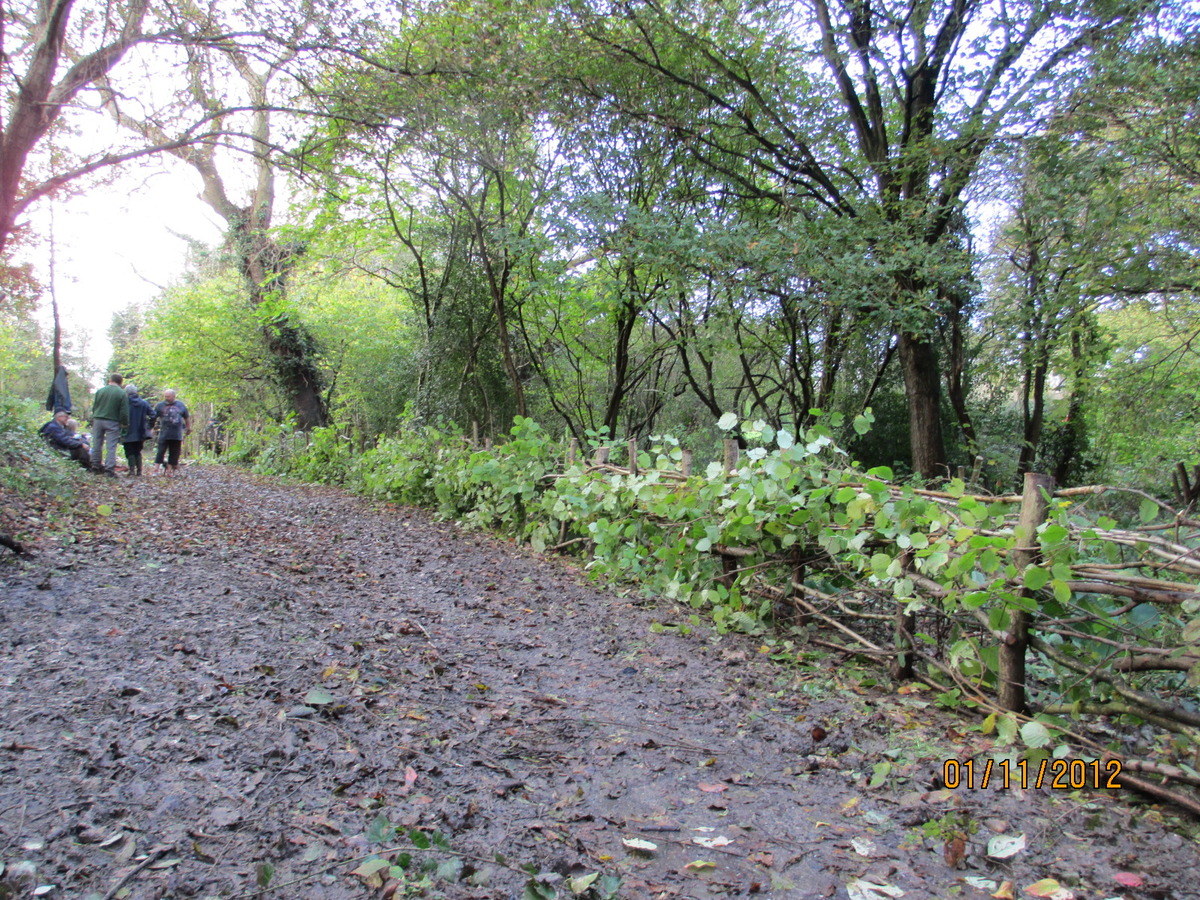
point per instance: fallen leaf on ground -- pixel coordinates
(983, 884)
(955, 851)
(1002, 846)
(868, 890)
(318, 697)
(639, 844)
(863, 846)
(1050, 889)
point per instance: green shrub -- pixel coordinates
(27, 465)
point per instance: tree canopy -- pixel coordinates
(635, 216)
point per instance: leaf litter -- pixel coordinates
(231, 683)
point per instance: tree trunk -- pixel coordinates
(1076, 425)
(918, 359)
(1034, 415)
(626, 319)
(264, 265)
(955, 378)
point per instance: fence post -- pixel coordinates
(976, 469)
(1034, 504)
(905, 624)
(685, 463)
(572, 452)
(731, 455)
(601, 456)
(795, 617)
(633, 464)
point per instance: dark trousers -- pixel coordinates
(168, 451)
(81, 455)
(133, 456)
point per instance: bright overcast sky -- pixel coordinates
(114, 247)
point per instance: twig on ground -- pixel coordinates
(154, 854)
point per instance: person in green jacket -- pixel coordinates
(110, 416)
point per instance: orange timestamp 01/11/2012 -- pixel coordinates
(1055, 774)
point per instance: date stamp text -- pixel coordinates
(1055, 774)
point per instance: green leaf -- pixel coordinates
(1054, 534)
(582, 883)
(419, 839)
(318, 697)
(104, 510)
(1147, 510)
(727, 422)
(380, 829)
(449, 870)
(1036, 578)
(1006, 730)
(370, 867)
(1036, 735)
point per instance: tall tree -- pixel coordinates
(53, 50)
(444, 105)
(1067, 207)
(230, 81)
(915, 94)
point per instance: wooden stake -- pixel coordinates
(977, 469)
(1034, 504)
(731, 455)
(905, 624)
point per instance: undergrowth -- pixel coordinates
(37, 486)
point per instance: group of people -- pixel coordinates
(121, 416)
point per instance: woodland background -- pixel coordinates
(978, 220)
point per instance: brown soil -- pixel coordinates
(230, 678)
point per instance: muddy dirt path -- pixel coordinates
(236, 687)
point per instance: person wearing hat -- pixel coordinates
(141, 419)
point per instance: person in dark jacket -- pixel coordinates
(141, 421)
(60, 391)
(70, 445)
